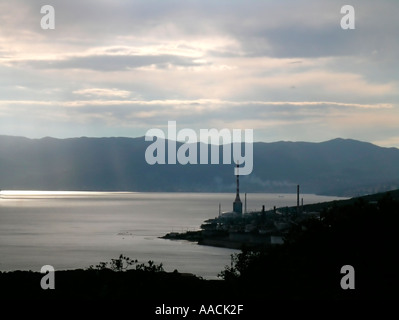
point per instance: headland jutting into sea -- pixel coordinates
(238, 228)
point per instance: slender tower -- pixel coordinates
(297, 199)
(237, 204)
(245, 202)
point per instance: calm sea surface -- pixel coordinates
(70, 230)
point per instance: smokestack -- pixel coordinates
(245, 208)
(297, 198)
(237, 204)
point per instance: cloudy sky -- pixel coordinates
(119, 68)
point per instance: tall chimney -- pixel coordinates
(297, 198)
(237, 204)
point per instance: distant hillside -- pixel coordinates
(336, 167)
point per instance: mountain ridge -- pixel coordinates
(342, 167)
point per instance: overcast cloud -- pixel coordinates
(283, 68)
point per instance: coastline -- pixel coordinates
(236, 241)
(263, 228)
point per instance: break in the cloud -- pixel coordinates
(98, 92)
(118, 68)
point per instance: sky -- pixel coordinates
(285, 69)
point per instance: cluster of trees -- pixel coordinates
(123, 263)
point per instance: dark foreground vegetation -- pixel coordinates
(361, 233)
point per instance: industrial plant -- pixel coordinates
(238, 228)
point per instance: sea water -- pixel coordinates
(70, 230)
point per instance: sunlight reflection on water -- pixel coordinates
(69, 229)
